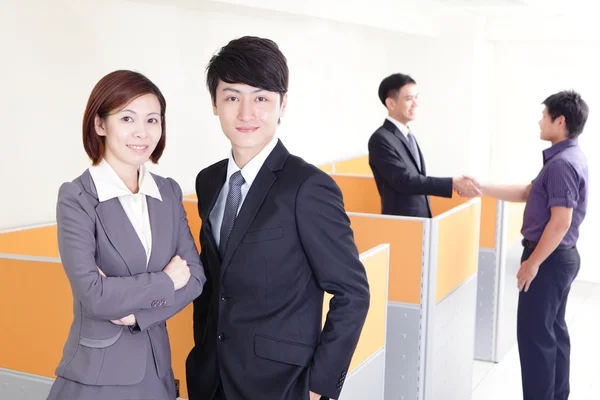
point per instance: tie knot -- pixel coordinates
(236, 179)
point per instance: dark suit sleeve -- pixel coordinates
(328, 241)
(202, 303)
(186, 249)
(105, 298)
(384, 158)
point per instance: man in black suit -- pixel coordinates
(397, 161)
(274, 237)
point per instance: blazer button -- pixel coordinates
(153, 304)
(225, 298)
(221, 336)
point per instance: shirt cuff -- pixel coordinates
(562, 202)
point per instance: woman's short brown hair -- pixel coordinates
(113, 91)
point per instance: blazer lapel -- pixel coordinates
(254, 199)
(162, 217)
(214, 187)
(392, 128)
(423, 169)
(122, 235)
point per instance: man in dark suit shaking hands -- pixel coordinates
(396, 160)
(274, 238)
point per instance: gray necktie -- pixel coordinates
(414, 149)
(234, 197)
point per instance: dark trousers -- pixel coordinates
(542, 334)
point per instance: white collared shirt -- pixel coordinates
(249, 172)
(401, 127)
(109, 185)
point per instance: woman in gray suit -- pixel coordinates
(126, 248)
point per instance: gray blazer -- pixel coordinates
(93, 234)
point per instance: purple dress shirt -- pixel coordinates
(563, 182)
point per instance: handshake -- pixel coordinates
(467, 187)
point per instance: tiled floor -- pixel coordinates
(502, 381)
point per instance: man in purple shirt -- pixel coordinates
(556, 203)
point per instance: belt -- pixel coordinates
(531, 245)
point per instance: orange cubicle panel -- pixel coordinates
(37, 307)
(372, 337)
(406, 253)
(457, 255)
(35, 242)
(354, 166)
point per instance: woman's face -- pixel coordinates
(131, 132)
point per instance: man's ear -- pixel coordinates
(389, 103)
(284, 100)
(562, 123)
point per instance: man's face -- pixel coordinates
(248, 115)
(403, 108)
(552, 131)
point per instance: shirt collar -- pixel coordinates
(557, 148)
(250, 170)
(401, 127)
(109, 185)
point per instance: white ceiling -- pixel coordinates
(524, 19)
(477, 3)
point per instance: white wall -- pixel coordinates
(452, 74)
(394, 15)
(480, 87)
(57, 51)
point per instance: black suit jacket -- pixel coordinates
(402, 186)
(257, 324)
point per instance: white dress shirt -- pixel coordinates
(109, 185)
(249, 173)
(401, 127)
